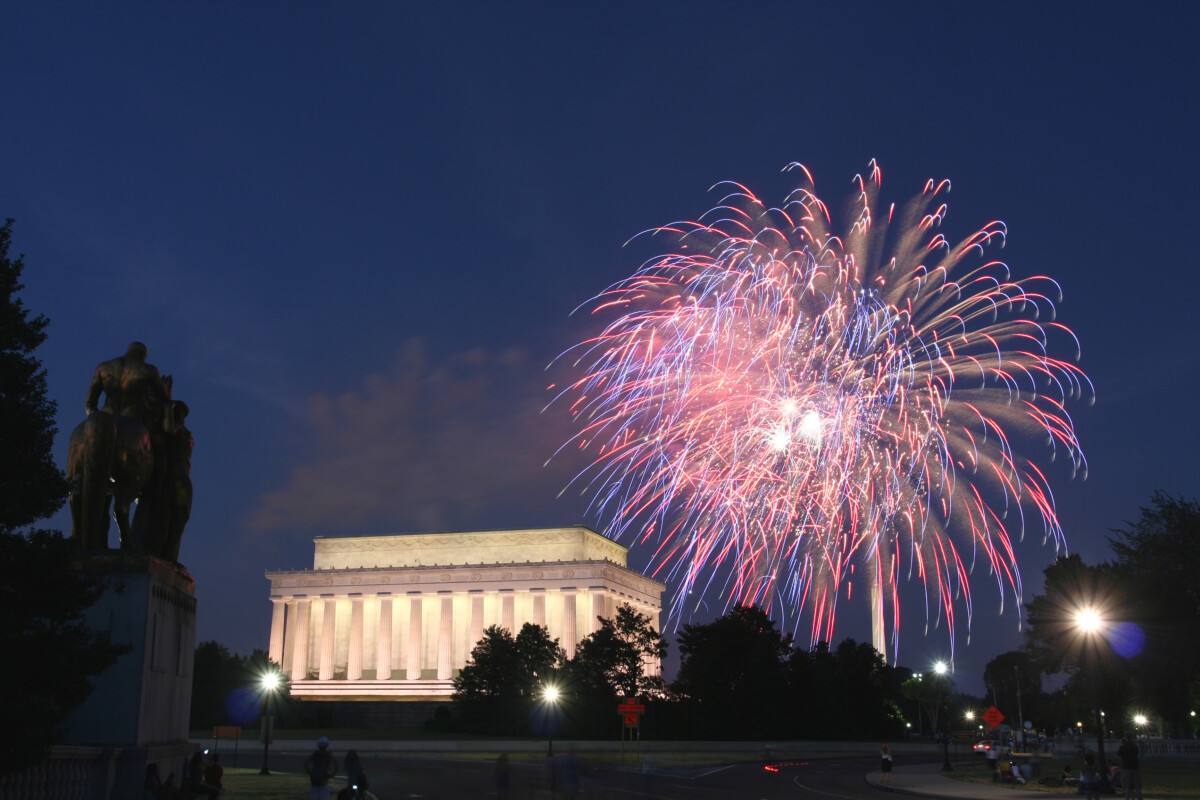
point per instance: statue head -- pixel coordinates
(136, 350)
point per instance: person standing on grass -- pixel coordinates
(1089, 778)
(1131, 769)
(320, 766)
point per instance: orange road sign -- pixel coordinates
(993, 717)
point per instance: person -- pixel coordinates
(1089, 778)
(885, 765)
(320, 766)
(155, 787)
(1067, 777)
(356, 777)
(214, 773)
(501, 775)
(194, 785)
(993, 758)
(570, 774)
(1131, 772)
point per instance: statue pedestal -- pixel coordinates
(139, 712)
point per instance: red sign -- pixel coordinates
(631, 708)
(993, 717)
(631, 719)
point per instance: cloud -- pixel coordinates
(430, 445)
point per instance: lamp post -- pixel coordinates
(1089, 623)
(940, 668)
(268, 685)
(550, 695)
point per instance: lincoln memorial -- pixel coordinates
(396, 617)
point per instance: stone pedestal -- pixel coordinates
(139, 712)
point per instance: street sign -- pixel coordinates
(964, 736)
(631, 708)
(631, 719)
(993, 717)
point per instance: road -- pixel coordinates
(401, 777)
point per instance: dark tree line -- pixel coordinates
(739, 678)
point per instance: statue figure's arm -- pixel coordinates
(91, 403)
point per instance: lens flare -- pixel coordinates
(774, 404)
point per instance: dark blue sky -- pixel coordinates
(355, 232)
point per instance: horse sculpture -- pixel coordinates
(110, 460)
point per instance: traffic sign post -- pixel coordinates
(631, 711)
(993, 717)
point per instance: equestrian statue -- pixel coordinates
(134, 448)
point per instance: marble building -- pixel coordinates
(396, 617)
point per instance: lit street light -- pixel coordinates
(941, 669)
(1089, 623)
(550, 696)
(268, 685)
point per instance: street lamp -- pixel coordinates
(550, 696)
(940, 668)
(1089, 623)
(268, 686)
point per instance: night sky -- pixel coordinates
(355, 233)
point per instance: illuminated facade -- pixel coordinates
(396, 617)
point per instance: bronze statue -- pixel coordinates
(131, 449)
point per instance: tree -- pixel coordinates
(1015, 682)
(31, 485)
(504, 678)
(733, 672)
(42, 599)
(1159, 557)
(42, 593)
(613, 659)
(1058, 645)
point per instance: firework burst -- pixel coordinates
(774, 406)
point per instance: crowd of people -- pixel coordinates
(202, 777)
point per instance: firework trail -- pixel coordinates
(774, 406)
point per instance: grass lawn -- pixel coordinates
(245, 782)
(1175, 779)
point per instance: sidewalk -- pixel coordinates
(927, 780)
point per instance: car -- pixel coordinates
(985, 745)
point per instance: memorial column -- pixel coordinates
(383, 641)
(568, 616)
(476, 630)
(413, 673)
(329, 619)
(508, 611)
(539, 606)
(598, 607)
(300, 649)
(354, 656)
(275, 649)
(445, 652)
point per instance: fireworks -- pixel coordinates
(774, 406)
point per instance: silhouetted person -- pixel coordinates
(214, 773)
(885, 764)
(194, 785)
(356, 776)
(1131, 768)
(501, 774)
(320, 766)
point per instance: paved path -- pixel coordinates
(927, 780)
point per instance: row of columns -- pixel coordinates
(296, 624)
